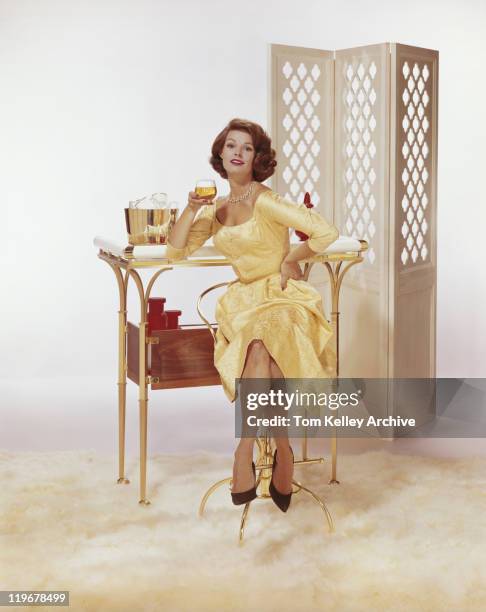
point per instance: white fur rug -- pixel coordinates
(410, 535)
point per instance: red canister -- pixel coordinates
(156, 317)
(173, 318)
(156, 304)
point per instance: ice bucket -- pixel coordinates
(149, 225)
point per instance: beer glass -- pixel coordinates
(206, 188)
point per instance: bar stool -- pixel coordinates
(264, 461)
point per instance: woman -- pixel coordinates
(271, 323)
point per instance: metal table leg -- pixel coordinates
(143, 379)
(336, 276)
(122, 373)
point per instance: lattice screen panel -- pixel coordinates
(360, 151)
(361, 148)
(301, 122)
(414, 137)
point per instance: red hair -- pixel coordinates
(264, 161)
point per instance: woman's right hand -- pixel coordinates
(195, 202)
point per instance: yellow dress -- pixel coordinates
(290, 322)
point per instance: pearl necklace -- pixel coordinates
(243, 197)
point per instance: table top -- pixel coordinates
(154, 256)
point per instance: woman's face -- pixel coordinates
(238, 154)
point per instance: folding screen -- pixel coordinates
(357, 128)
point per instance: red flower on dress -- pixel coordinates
(308, 203)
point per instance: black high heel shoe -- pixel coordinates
(282, 500)
(245, 496)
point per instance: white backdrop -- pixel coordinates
(106, 101)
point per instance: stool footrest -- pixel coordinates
(265, 466)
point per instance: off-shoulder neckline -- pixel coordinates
(248, 220)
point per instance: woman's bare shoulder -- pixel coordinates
(263, 189)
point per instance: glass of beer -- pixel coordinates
(206, 188)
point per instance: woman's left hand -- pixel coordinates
(289, 270)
